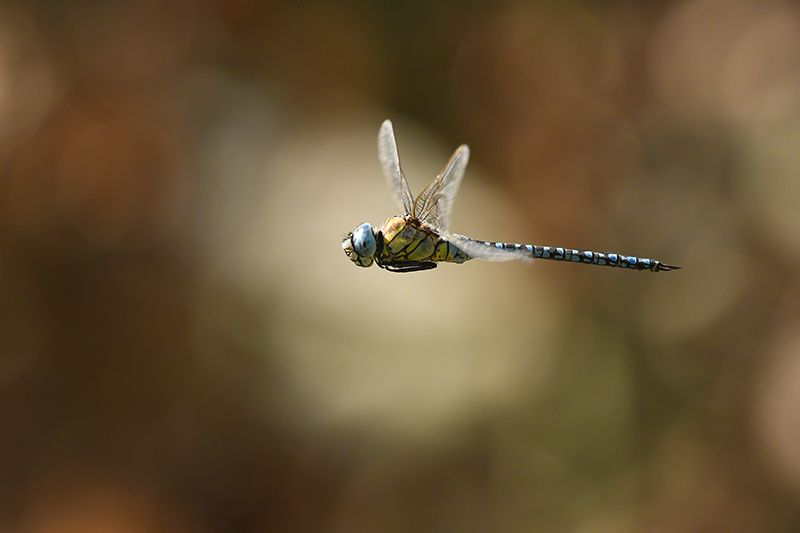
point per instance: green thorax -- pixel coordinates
(408, 239)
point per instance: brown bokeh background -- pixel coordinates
(184, 347)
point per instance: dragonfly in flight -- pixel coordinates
(419, 239)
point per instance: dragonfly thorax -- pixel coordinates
(361, 245)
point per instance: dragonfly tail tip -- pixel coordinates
(661, 267)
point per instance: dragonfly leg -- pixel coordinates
(408, 266)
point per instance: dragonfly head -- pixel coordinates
(360, 246)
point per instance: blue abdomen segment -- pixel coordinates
(571, 255)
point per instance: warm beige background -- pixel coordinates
(184, 346)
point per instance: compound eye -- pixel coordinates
(364, 241)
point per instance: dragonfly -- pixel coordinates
(420, 238)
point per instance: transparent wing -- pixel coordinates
(488, 251)
(390, 162)
(434, 205)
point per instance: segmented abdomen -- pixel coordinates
(585, 256)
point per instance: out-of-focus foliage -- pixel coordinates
(184, 347)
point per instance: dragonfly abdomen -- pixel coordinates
(554, 253)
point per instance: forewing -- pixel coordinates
(390, 162)
(481, 250)
(434, 205)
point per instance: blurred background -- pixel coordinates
(185, 347)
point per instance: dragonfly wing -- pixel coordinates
(434, 205)
(488, 251)
(390, 162)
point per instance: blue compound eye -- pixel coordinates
(364, 241)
